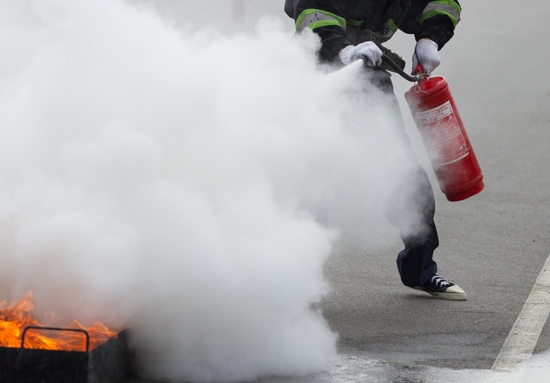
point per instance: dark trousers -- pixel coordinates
(413, 194)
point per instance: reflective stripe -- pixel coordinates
(356, 23)
(388, 30)
(442, 7)
(392, 26)
(315, 18)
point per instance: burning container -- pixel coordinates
(107, 363)
(32, 353)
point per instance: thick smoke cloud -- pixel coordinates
(184, 183)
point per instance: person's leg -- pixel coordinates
(411, 207)
(415, 262)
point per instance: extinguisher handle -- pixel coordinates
(398, 69)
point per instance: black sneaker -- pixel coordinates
(441, 288)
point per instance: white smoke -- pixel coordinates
(184, 183)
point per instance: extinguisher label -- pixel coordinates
(442, 135)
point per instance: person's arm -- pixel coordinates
(435, 20)
(326, 19)
(433, 24)
(438, 21)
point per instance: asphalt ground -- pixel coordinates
(493, 245)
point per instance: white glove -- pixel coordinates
(367, 49)
(426, 53)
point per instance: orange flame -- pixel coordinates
(15, 318)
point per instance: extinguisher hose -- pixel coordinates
(398, 69)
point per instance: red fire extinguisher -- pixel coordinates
(442, 131)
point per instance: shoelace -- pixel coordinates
(440, 282)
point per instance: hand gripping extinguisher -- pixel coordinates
(442, 131)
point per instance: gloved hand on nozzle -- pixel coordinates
(426, 53)
(367, 49)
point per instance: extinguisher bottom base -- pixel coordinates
(467, 194)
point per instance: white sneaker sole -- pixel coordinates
(453, 293)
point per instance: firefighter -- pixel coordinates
(356, 29)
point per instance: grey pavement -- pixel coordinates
(493, 245)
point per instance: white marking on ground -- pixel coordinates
(523, 337)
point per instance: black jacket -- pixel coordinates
(410, 16)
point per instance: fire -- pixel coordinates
(16, 317)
